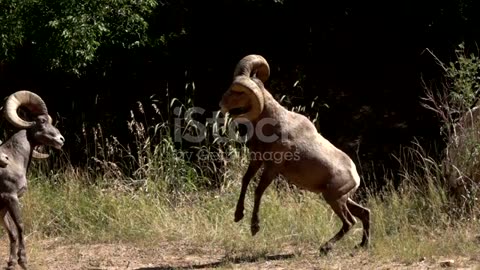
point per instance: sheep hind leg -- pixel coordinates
(12, 236)
(364, 215)
(339, 206)
(267, 177)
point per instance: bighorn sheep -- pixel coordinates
(297, 151)
(19, 149)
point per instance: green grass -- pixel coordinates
(406, 224)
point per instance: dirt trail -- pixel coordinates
(53, 255)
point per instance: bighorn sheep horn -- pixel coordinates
(253, 65)
(38, 155)
(255, 94)
(34, 104)
(249, 67)
(31, 101)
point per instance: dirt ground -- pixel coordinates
(53, 255)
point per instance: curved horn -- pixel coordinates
(28, 99)
(38, 155)
(254, 91)
(253, 65)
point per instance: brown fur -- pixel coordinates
(303, 156)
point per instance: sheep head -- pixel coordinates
(244, 100)
(40, 125)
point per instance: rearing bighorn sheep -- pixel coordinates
(19, 149)
(301, 154)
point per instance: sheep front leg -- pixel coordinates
(13, 206)
(252, 169)
(268, 175)
(12, 236)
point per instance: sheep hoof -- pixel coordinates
(23, 264)
(326, 248)
(255, 228)
(11, 266)
(238, 216)
(362, 245)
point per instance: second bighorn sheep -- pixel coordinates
(303, 156)
(19, 149)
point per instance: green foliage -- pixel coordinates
(463, 155)
(459, 171)
(67, 34)
(11, 27)
(464, 78)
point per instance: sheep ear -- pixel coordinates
(255, 93)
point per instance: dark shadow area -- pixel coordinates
(225, 260)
